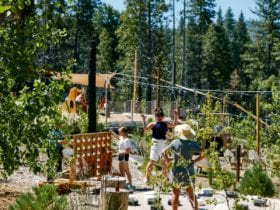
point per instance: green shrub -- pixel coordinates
(44, 197)
(257, 182)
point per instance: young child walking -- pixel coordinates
(124, 148)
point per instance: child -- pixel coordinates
(124, 148)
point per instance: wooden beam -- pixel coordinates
(158, 87)
(258, 124)
(135, 81)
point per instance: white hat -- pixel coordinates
(184, 131)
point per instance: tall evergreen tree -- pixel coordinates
(85, 32)
(105, 57)
(229, 24)
(242, 41)
(192, 77)
(204, 12)
(259, 60)
(141, 23)
(201, 14)
(215, 58)
(220, 18)
(106, 22)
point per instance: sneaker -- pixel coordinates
(130, 188)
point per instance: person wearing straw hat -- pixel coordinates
(182, 172)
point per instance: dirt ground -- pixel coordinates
(19, 182)
(23, 180)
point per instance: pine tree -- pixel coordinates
(106, 22)
(142, 22)
(268, 28)
(85, 32)
(201, 14)
(104, 58)
(229, 24)
(215, 58)
(220, 19)
(259, 61)
(204, 12)
(193, 44)
(242, 41)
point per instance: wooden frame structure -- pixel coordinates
(92, 153)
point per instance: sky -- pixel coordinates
(236, 5)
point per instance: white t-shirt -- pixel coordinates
(124, 143)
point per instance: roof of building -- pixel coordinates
(82, 79)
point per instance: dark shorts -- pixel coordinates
(182, 175)
(124, 157)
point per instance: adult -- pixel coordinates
(124, 148)
(182, 173)
(159, 129)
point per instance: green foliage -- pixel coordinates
(28, 107)
(216, 58)
(219, 178)
(244, 133)
(142, 28)
(271, 137)
(208, 119)
(256, 182)
(204, 12)
(106, 22)
(44, 197)
(241, 40)
(260, 62)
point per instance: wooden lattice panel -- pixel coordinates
(92, 153)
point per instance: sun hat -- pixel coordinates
(184, 131)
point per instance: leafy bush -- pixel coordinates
(257, 182)
(44, 197)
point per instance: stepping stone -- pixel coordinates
(133, 202)
(152, 199)
(170, 202)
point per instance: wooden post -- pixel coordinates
(238, 164)
(112, 200)
(135, 81)
(116, 180)
(224, 110)
(158, 87)
(107, 100)
(92, 90)
(258, 124)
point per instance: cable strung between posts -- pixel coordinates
(236, 105)
(205, 90)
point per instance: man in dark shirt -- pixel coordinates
(182, 173)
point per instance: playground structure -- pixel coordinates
(102, 84)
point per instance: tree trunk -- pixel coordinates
(112, 200)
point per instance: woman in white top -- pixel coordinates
(123, 154)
